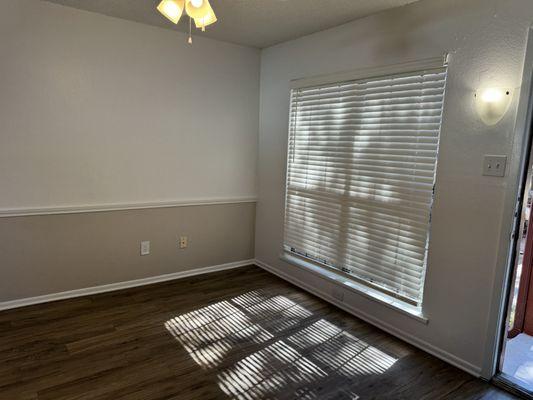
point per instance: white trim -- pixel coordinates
(503, 274)
(79, 209)
(372, 72)
(421, 344)
(360, 289)
(7, 305)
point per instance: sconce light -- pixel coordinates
(492, 104)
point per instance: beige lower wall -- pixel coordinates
(54, 253)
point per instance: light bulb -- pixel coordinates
(492, 95)
(197, 8)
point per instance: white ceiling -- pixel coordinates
(256, 23)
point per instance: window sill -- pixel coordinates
(372, 294)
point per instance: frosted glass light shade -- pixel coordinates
(209, 19)
(197, 12)
(172, 9)
(492, 104)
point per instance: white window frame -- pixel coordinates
(338, 277)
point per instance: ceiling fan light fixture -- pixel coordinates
(172, 9)
(197, 8)
(209, 19)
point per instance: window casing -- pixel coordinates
(362, 158)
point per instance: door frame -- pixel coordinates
(513, 206)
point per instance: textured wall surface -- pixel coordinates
(54, 253)
(486, 40)
(98, 110)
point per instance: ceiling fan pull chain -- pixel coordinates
(190, 30)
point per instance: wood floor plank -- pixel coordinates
(240, 334)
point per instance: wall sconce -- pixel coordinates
(492, 104)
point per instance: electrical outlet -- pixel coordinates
(145, 248)
(494, 165)
(183, 242)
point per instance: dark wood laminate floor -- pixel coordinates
(240, 334)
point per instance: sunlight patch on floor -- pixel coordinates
(269, 370)
(289, 350)
(210, 333)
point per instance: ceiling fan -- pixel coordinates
(198, 10)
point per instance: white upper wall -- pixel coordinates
(486, 39)
(96, 110)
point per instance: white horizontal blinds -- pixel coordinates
(361, 169)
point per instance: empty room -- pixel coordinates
(266, 199)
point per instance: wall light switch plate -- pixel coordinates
(494, 165)
(183, 242)
(145, 248)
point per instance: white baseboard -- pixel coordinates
(407, 337)
(120, 285)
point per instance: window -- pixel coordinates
(362, 157)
